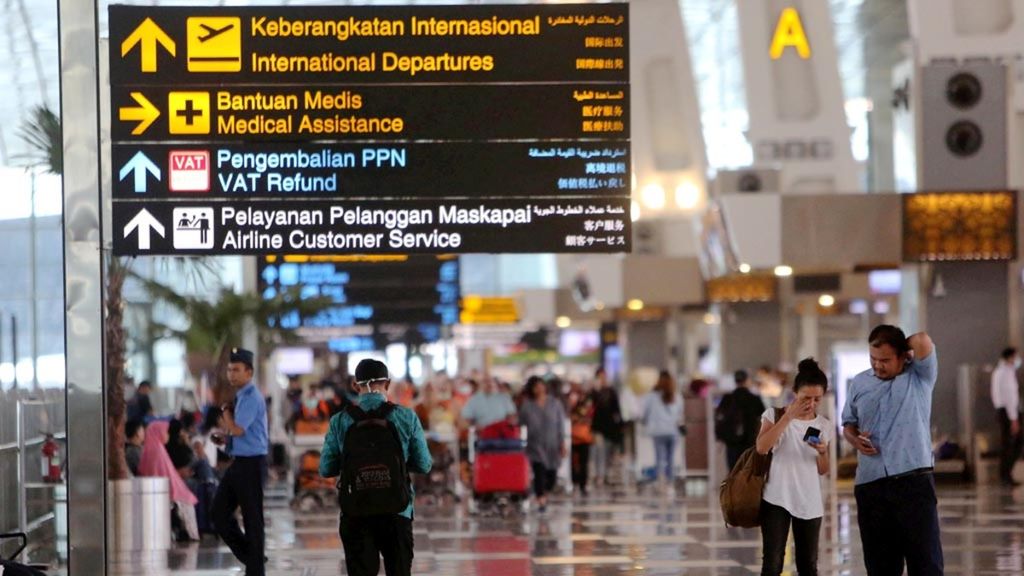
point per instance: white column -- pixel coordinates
(794, 94)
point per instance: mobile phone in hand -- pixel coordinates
(812, 436)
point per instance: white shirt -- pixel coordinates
(794, 482)
(1005, 393)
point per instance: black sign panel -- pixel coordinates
(486, 128)
(468, 112)
(375, 170)
(408, 290)
(373, 227)
(369, 44)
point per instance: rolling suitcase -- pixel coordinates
(501, 472)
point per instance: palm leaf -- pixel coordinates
(42, 133)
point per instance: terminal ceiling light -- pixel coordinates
(744, 268)
(598, 305)
(563, 322)
(653, 196)
(634, 211)
(687, 196)
(635, 305)
(710, 319)
(826, 301)
(880, 307)
(783, 271)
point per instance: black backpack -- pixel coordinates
(374, 480)
(729, 427)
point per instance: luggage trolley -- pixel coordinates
(311, 491)
(442, 485)
(501, 470)
(9, 566)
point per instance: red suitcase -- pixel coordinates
(495, 472)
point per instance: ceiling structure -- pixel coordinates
(869, 37)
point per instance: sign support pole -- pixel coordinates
(83, 290)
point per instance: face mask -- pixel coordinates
(1017, 363)
(465, 390)
(310, 403)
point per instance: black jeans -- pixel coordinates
(1009, 450)
(775, 521)
(242, 487)
(580, 465)
(899, 522)
(368, 538)
(543, 479)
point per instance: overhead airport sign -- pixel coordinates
(373, 226)
(435, 110)
(409, 290)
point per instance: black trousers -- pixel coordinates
(242, 487)
(580, 465)
(543, 479)
(732, 455)
(775, 522)
(899, 523)
(367, 539)
(1010, 449)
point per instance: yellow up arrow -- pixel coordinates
(145, 114)
(147, 35)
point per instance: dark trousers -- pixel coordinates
(899, 522)
(775, 522)
(543, 479)
(732, 455)
(242, 487)
(367, 539)
(580, 465)
(1010, 449)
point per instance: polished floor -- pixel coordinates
(612, 532)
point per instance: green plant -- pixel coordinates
(214, 326)
(42, 133)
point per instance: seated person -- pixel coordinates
(156, 462)
(135, 437)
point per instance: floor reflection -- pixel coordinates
(614, 532)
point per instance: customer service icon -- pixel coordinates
(193, 228)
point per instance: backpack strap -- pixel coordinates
(779, 412)
(383, 411)
(356, 413)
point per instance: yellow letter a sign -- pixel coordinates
(790, 32)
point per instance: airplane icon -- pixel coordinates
(214, 43)
(212, 32)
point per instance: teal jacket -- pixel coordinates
(410, 433)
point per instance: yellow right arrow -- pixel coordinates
(147, 35)
(145, 114)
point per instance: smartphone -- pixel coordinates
(812, 436)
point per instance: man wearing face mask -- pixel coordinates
(375, 495)
(1006, 399)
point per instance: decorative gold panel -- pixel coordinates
(959, 226)
(742, 288)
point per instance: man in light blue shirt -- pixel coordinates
(245, 424)
(887, 418)
(488, 406)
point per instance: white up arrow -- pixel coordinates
(145, 222)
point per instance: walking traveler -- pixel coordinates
(544, 419)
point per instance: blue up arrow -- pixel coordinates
(140, 164)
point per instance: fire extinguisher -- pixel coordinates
(51, 460)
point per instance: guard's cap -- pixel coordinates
(241, 355)
(369, 371)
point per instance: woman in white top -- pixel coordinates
(799, 443)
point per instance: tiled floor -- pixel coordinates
(613, 532)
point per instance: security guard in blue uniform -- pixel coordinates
(245, 425)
